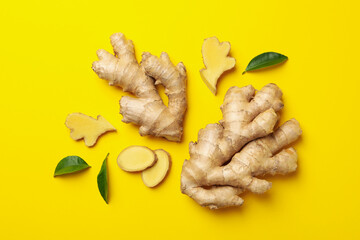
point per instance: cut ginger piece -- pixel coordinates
(216, 61)
(86, 127)
(136, 158)
(156, 174)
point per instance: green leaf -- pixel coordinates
(264, 60)
(102, 180)
(70, 164)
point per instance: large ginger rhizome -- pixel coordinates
(230, 156)
(147, 109)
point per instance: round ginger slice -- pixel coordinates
(156, 174)
(136, 158)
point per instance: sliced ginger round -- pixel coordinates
(154, 175)
(136, 158)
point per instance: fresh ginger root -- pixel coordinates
(147, 110)
(88, 128)
(156, 174)
(248, 120)
(216, 61)
(136, 158)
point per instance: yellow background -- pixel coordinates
(46, 50)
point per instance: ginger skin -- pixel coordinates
(146, 110)
(248, 118)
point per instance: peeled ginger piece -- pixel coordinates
(216, 61)
(156, 174)
(136, 158)
(86, 127)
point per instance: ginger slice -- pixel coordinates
(216, 61)
(86, 127)
(230, 157)
(136, 158)
(156, 174)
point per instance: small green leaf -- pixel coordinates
(264, 60)
(70, 164)
(102, 180)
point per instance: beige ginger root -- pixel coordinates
(154, 175)
(146, 110)
(136, 158)
(230, 156)
(216, 61)
(88, 128)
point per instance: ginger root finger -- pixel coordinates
(259, 158)
(223, 196)
(86, 127)
(216, 61)
(136, 158)
(155, 175)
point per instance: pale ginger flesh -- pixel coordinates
(136, 158)
(230, 156)
(155, 175)
(216, 61)
(146, 110)
(85, 127)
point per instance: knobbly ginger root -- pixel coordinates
(136, 158)
(147, 110)
(88, 128)
(216, 61)
(248, 120)
(156, 174)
